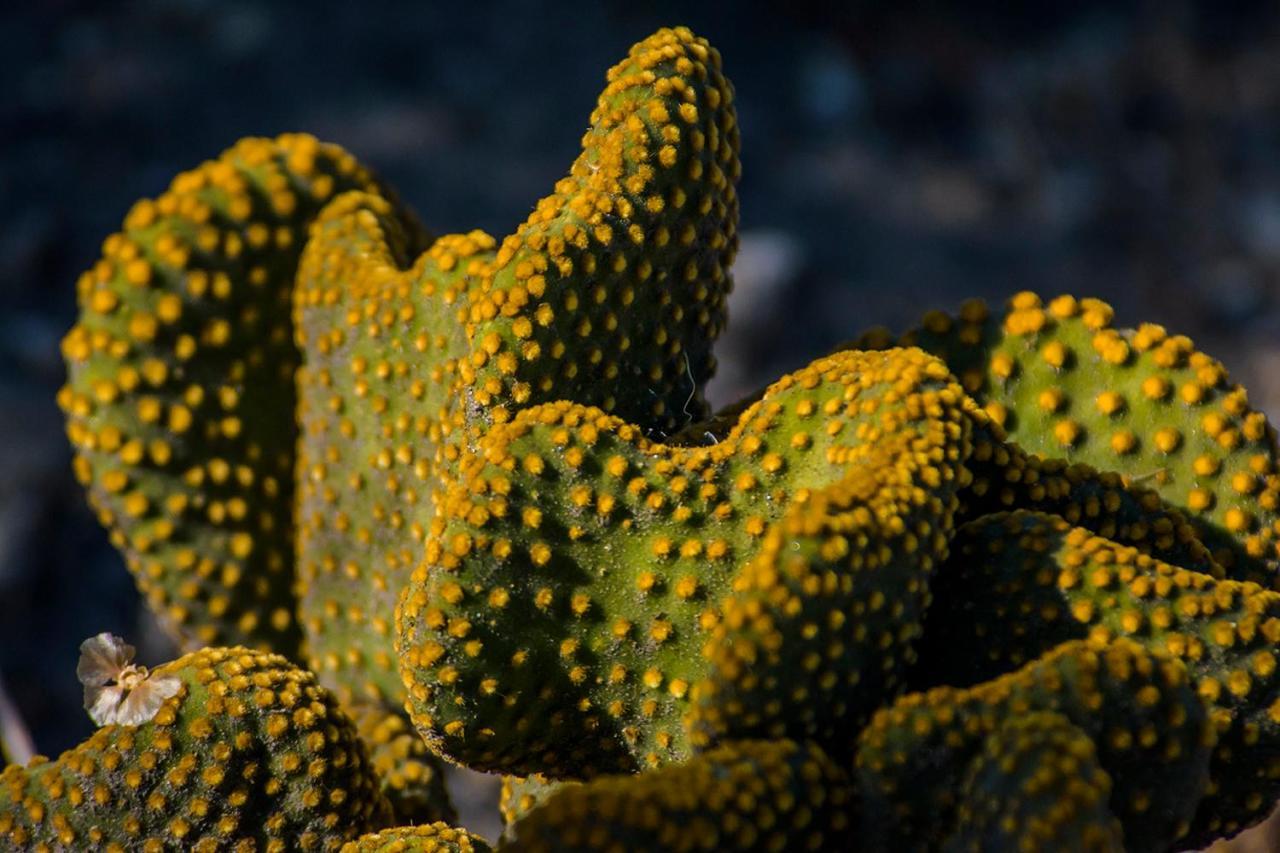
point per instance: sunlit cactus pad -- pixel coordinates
(1004, 582)
(557, 622)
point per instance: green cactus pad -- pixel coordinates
(1151, 730)
(1018, 584)
(821, 625)
(374, 399)
(522, 794)
(436, 837)
(610, 294)
(1066, 383)
(557, 623)
(179, 399)
(1036, 785)
(412, 778)
(251, 752)
(746, 795)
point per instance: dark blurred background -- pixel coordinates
(893, 161)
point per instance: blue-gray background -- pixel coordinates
(892, 161)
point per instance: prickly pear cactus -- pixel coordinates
(610, 293)
(249, 752)
(179, 395)
(1000, 583)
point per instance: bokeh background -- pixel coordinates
(894, 161)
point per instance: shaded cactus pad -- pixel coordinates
(1037, 785)
(1019, 584)
(1151, 731)
(749, 795)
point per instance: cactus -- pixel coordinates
(556, 624)
(1005, 476)
(747, 795)
(1041, 582)
(1064, 382)
(522, 794)
(410, 776)
(1151, 732)
(1037, 785)
(1001, 582)
(179, 397)
(821, 625)
(437, 837)
(611, 293)
(249, 751)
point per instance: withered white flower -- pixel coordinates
(116, 690)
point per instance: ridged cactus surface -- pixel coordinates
(1003, 582)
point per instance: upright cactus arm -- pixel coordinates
(613, 291)
(1148, 725)
(1019, 584)
(179, 397)
(249, 752)
(1065, 382)
(382, 345)
(742, 796)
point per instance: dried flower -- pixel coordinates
(116, 690)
